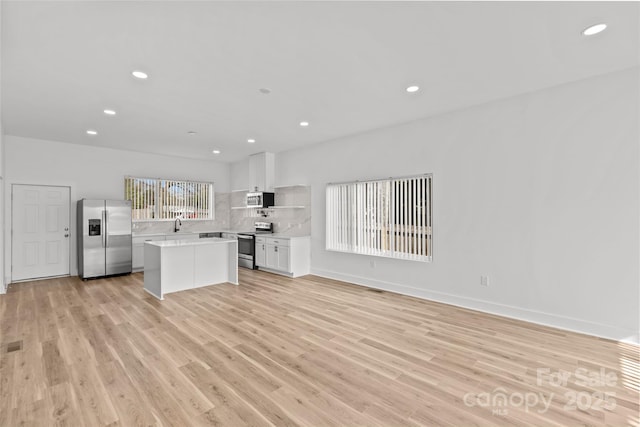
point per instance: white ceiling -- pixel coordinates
(343, 66)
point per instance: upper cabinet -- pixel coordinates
(261, 172)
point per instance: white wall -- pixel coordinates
(2, 282)
(93, 172)
(540, 192)
(239, 175)
(2, 209)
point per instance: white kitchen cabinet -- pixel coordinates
(187, 264)
(277, 258)
(137, 249)
(137, 245)
(261, 252)
(284, 259)
(290, 256)
(271, 257)
(137, 257)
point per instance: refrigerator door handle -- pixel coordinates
(105, 242)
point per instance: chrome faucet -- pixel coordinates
(177, 225)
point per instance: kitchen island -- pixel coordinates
(178, 265)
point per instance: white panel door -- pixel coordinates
(40, 231)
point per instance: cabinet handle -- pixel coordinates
(275, 249)
(263, 247)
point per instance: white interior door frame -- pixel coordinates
(9, 209)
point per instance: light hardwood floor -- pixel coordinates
(284, 352)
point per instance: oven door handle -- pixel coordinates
(241, 236)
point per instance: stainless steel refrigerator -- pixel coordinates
(104, 237)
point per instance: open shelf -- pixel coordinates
(291, 185)
(270, 207)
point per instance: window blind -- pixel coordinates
(387, 217)
(167, 199)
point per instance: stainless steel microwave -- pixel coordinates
(260, 199)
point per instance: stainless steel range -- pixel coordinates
(247, 244)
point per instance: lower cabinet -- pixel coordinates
(284, 258)
(288, 256)
(137, 245)
(261, 253)
(137, 249)
(277, 258)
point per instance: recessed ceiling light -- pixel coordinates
(304, 124)
(216, 151)
(251, 140)
(412, 89)
(110, 112)
(192, 132)
(265, 90)
(92, 132)
(594, 29)
(139, 74)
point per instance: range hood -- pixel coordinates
(261, 172)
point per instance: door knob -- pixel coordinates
(66, 229)
(66, 235)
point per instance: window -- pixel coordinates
(158, 199)
(387, 217)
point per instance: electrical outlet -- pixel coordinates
(484, 280)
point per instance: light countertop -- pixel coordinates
(176, 243)
(172, 233)
(274, 235)
(281, 236)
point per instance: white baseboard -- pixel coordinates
(538, 317)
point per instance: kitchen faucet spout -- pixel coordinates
(177, 225)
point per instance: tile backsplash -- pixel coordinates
(294, 220)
